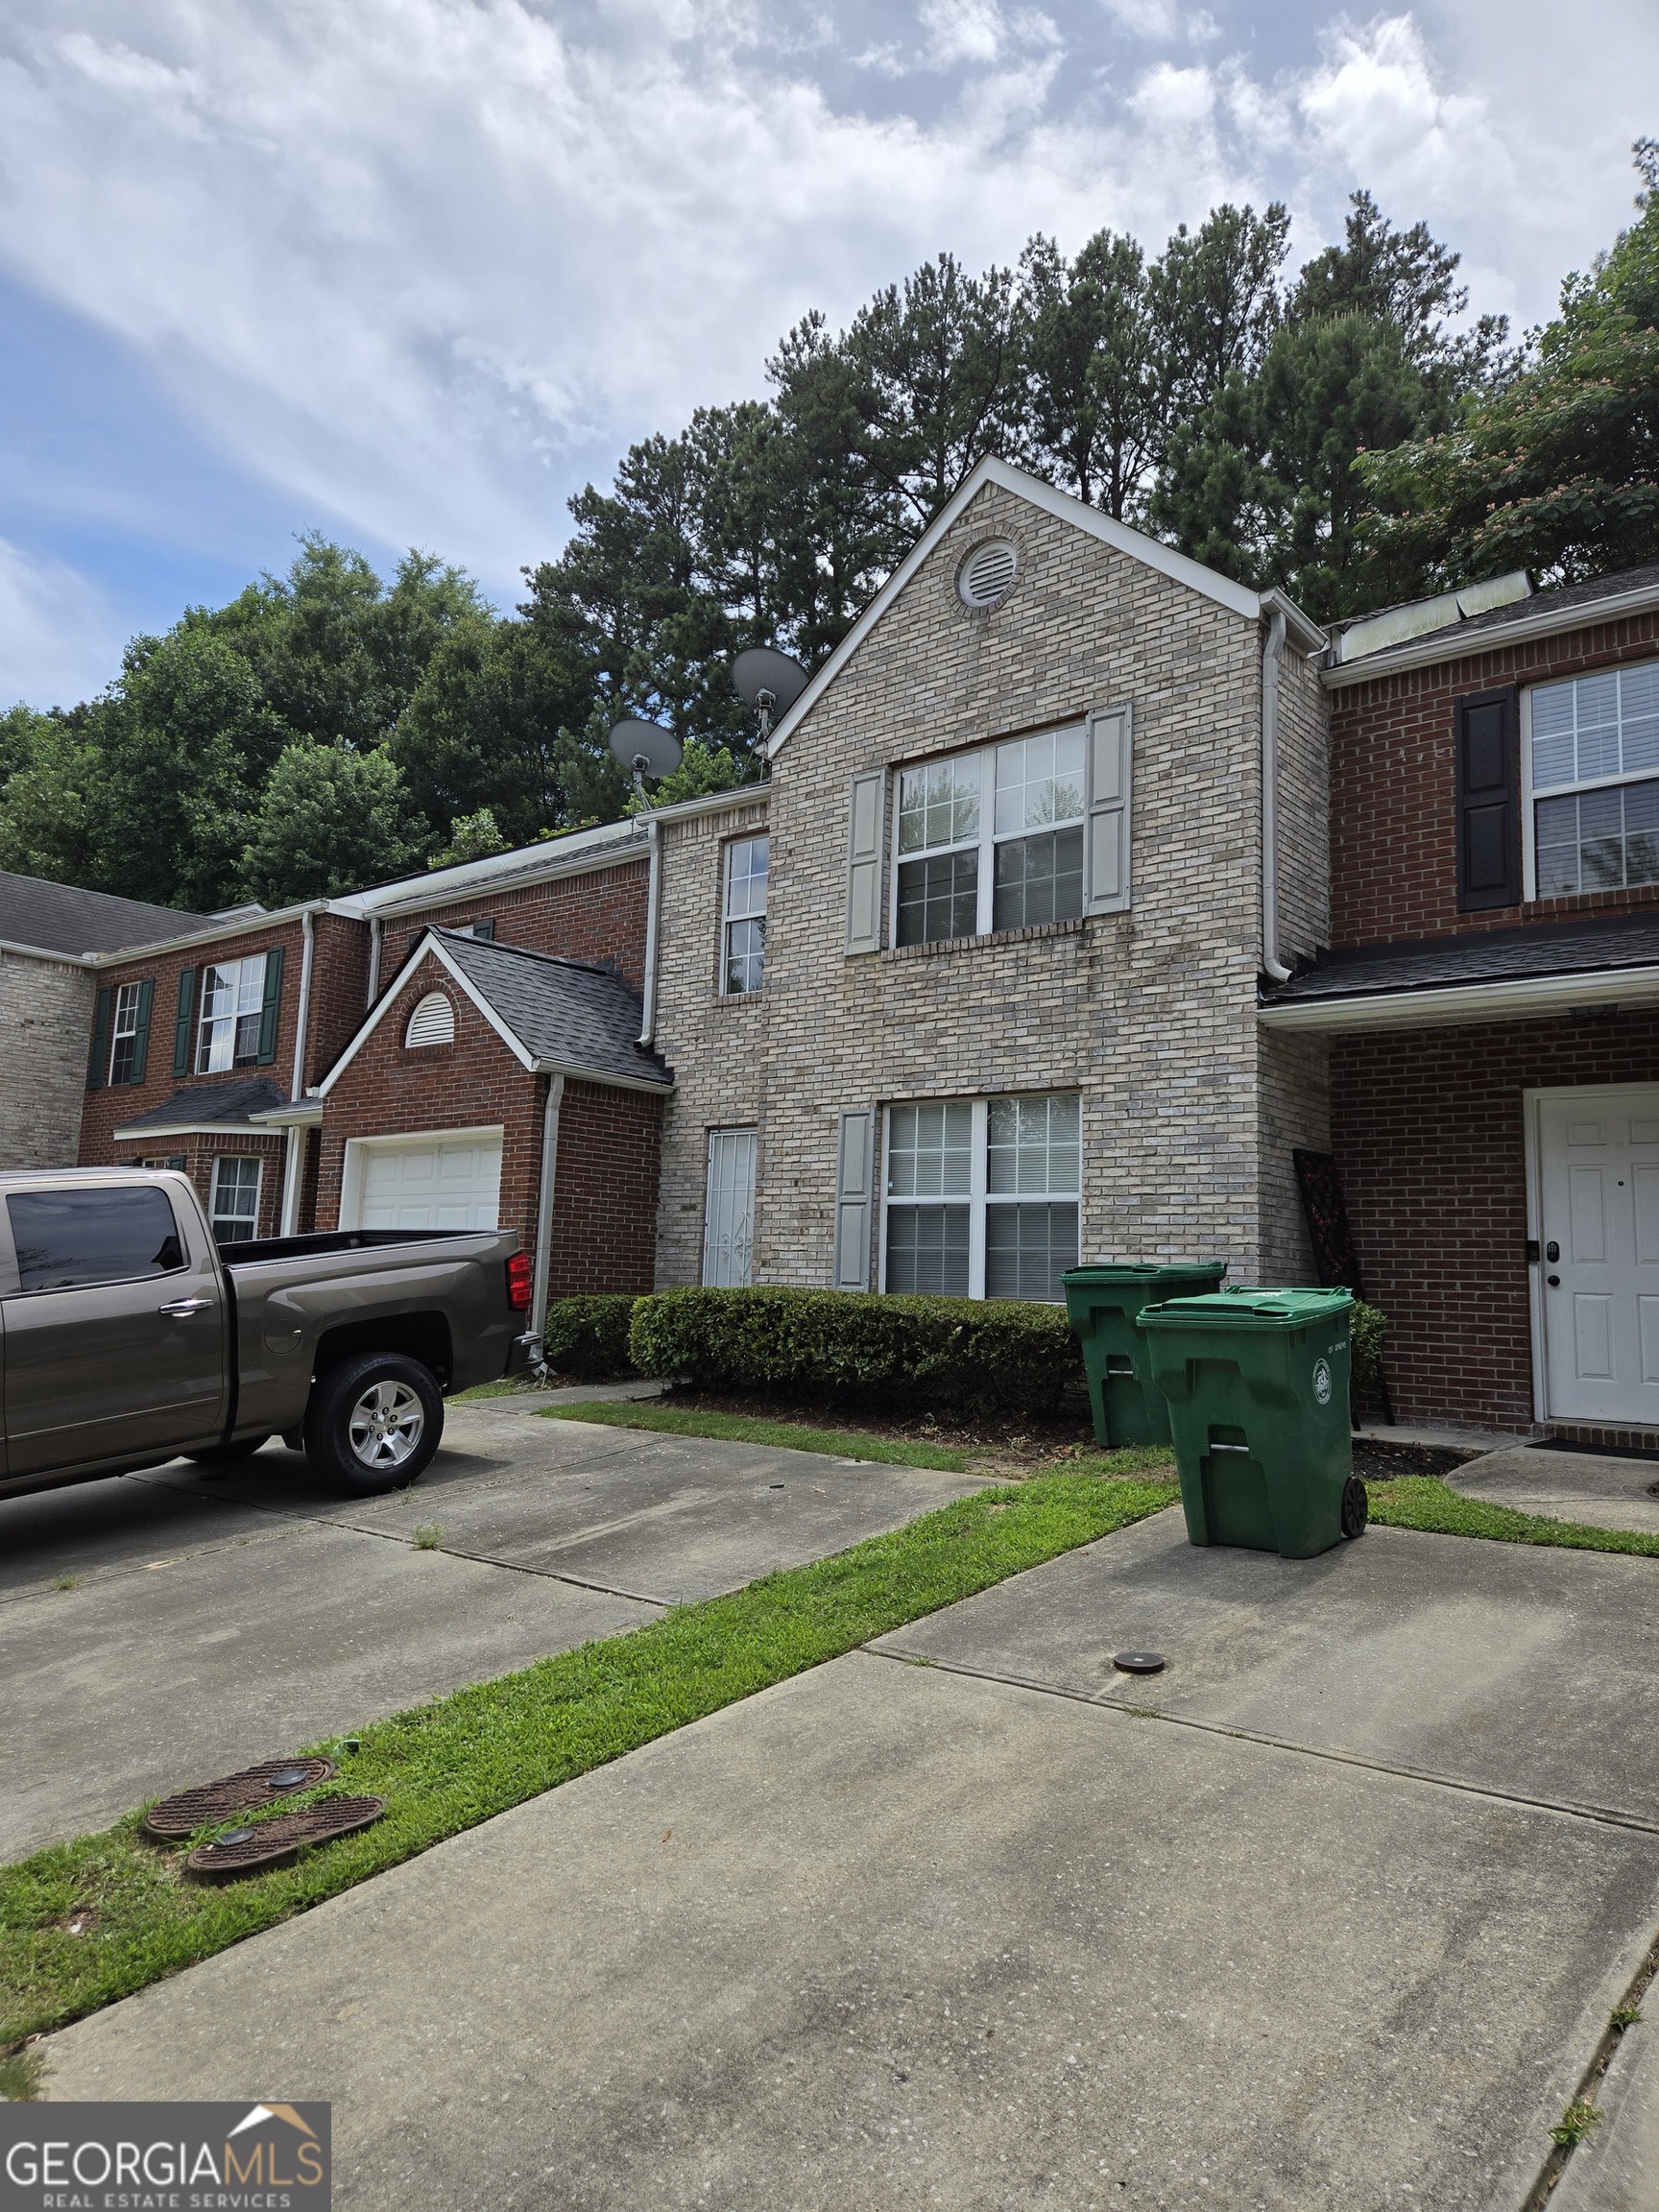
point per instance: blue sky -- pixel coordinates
(412, 270)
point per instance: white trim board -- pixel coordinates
(1587, 615)
(1236, 598)
(1527, 999)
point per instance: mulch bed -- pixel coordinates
(1381, 1462)
(1024, 1439)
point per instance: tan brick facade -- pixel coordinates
(46, 1019)
(1148, 1014)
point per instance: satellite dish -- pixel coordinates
(645, 748)
(770, 681)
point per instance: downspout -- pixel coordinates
(545, 1206)
(1271, 963)
(653, 911)
(293, 1171)
(376, 931)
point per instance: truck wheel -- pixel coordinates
(1355, 1506)
(227, 1455)
(374, 1423)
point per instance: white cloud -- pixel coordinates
(59, 636)
(426, 263)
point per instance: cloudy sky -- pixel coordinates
(412, 270)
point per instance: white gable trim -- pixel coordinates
(1236, 598)
(430, 941)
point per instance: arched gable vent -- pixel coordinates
(432, 1023)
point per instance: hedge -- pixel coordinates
(1367, 1330)
(931, 1352)
(589, 1337)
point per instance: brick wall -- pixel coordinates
(1150, 1015)
(1426, 1126)
(339, 993)
(46, 1020)
(597, 916)
(605, 1191)
(1393, 817)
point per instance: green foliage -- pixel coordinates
(1555, 469)
(471, 838)
(328, 819)
(1574, 2124)
(944, 1352)
(588, 1338)
(1368, 1326)
(445, 1767)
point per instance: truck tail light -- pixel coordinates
(518, 1282)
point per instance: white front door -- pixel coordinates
(728, 1210)
(444, 1179)
(1599, 1219)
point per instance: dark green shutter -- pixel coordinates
(1488, 803)
(185, 1028)
(141, 1035)
(98, 1066)
(267, 1012)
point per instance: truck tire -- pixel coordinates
(227, 1455)
(374, 1423)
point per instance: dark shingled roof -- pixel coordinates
(60, 918)
(219, 1105)
(1563, 600)
(570, 1011)
(1508, 956)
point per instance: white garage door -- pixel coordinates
(448, 1179)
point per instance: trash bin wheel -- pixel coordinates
(1355, 1506)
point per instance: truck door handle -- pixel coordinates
(180, 1307)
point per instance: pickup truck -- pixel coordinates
(130, 1337)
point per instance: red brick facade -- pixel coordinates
(339, 992)
(1393, 790)
(605, 1191)
(598, 916)
(1427, 1127)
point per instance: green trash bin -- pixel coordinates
(1104, 1305)
(1256, 1385)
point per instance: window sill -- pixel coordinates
(738, 997)
(948, 945)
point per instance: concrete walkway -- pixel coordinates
(1330, 1915)
(1566, 1486)
(209, 1624)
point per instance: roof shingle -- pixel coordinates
(567, 1011)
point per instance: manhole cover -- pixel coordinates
(254, 1787)
(270, 1842)
(1138, 1662)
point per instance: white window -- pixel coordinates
(1591, 748)
(981, 1195)
(236, 1198)
(991, 839)
(728, 1210)
(124, 1033)
(232, 1006)
(743, 925)
(432, 1023)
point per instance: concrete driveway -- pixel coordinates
(1332, 1914)
(212, 1622)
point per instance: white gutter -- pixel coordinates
(214, 932)
(297, 1089)
(545, 1206)
(1523, 999)
(46, 953)
(1475, 644)
(376, 931)
(653, 914)
(1270, 962)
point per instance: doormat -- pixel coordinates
(1595, 1451)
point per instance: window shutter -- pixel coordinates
(183, 1029)
(854, 1160)
(141, 1036)
(1110, 770)
(1488, 803)
(98, 1065)
(268, 1010)
(864, 864)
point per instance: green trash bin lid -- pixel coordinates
(1241, 1308)
(1159, 1271)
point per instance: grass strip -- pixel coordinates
(1424, 1501)
(87, 1922)
(747, 1429)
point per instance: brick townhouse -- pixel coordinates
(1489, 1004)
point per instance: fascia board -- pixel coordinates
(711, 803)
(603, 1075)
(216, 933)
(1519, 1000)
(1236, 598)
(576, 854)
(10, 948)
(299, 1114)
(1593, 615)
(140, 1132)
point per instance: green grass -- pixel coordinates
(747, 1429)
(447, 1766)
(1424, 1501)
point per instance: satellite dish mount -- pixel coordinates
(769, 681)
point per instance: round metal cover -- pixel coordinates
(1138, 1662)
(763, 670)
(266, 1784)
(274, 1841)
(634, 742)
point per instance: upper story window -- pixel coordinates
(982, 1196)
(743, 919)
(991, 839)
(1592, 781)
(124, 1033)
(232, 1009)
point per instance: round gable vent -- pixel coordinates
(432, 1023)
(987, 576)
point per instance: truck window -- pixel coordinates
(68, 1238)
